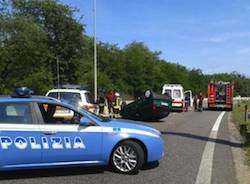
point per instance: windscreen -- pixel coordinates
(70, 98)
(89, 98)
(221, 92)
(53, 95)
(167, 92)
(177, 93)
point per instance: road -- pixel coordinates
(186, 137)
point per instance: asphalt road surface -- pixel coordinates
(196, 151)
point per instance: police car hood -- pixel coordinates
(129, 124)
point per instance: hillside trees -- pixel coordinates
(64, 34)
(35, 33)
(22, 60)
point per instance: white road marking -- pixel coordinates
(204, 175)
(218, 121)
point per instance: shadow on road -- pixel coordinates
(69, 171)
(217, 109)
(150, 165)
(203, 138)
(56, 172)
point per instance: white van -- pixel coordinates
(177, 94)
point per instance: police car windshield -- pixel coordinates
(83, 111)
(95, 116)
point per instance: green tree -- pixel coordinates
(22, 60)
(140, 64)
(35, 33)
(64, 32)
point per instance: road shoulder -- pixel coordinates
(242, 170)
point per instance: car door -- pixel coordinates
(188, 96)
(64, 139)
(20, 136)
(177, 95)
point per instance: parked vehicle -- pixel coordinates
(177, 94)
(220, 95)
(76, 95)
(32, 137)
(149, 107)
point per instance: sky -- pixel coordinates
(211, 35)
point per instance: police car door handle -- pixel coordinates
(49, 132)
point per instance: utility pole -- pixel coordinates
(95, 52)
(58, 72)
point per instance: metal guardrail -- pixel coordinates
(236, 99)
(241, 98)
(245, 127)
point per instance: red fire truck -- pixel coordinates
(220, 95)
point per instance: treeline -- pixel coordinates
(35, 35)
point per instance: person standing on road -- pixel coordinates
(195, 102)
(200, 104)
(110, 99)
(101, 103)
(187, 102)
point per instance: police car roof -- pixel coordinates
(41, 99)
(67, 91)
(37, 99)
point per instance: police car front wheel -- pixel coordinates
(127, 157)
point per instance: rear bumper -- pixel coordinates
(220, 105)
(177, 108)
(177, 105)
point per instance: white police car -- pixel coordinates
(31, 136)
(76, 95)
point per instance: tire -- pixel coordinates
(129, 163)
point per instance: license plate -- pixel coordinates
(164, 104)
(219, 105)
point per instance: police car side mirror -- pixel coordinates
(85, 121)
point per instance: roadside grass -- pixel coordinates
(248, 154)
(238, 117)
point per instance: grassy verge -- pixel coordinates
(238, 117)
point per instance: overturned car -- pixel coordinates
(149, 107)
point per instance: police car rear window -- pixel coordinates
(15, 113)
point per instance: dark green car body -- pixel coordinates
(152, 108)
